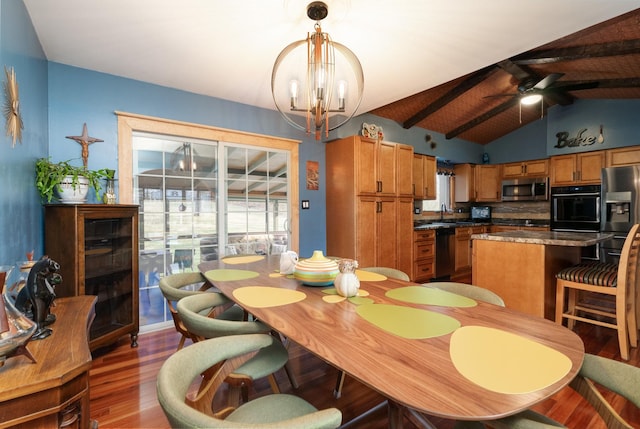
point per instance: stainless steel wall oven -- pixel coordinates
(577, 209)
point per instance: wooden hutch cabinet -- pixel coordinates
(96, 246)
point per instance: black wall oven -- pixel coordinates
(577, 209)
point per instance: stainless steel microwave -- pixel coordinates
(526, 189)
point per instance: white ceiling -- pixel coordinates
(226, 48)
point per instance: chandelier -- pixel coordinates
(315, 78)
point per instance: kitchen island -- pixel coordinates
(520, 266)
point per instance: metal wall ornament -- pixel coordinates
(11, 107)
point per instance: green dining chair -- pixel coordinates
(391, 273)
(183, 410)
(618, 377)
(470, 291)
(266, 362)
(177, 286)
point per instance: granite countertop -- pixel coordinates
(551, 238)
(421, 225)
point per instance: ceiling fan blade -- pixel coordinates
(575, 86)
(558, 96)
(548, 80)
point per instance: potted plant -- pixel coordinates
(53, 177)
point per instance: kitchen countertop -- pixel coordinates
(465, 223)
(551, 238)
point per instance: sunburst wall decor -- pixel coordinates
(11, 109)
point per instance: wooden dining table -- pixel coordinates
(423, 349)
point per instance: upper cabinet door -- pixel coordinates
(387, 168)
(367, 178)
(405, 170)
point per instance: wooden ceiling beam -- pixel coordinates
(548, 56)
(480, 119)
(451, 95)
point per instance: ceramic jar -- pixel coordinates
(317, 270)
(288, 261)
(346, 282)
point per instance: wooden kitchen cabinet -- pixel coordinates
(366, 223)
(424, 177)
(404, 170)
(96, 246)
(464, 183)
(463, 252)
(576, 169)
(622, 156)
(375, 165)
(533, 168)
(487, 182)
(375, 218)
(404, 234)
(477, 183)
(424, 250)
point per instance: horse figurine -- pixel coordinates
(37, 296)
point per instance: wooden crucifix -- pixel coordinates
(85, 141)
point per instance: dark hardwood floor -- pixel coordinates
(123, 383)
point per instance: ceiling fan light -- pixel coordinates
(528, 100)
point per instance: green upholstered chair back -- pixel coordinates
(268, 412)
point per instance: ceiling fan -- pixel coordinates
(532, 89)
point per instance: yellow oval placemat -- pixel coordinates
(430, 296)
(242, 259)
(368, 276)
(264, 296)
(408, 322)
(504, 362)
(225, 275)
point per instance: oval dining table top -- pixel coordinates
(422, 348)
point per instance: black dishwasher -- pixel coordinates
(445, 253)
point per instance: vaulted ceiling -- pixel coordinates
(600, 62)
(432, 64)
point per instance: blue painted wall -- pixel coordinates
(619, 119)
(57, 99)
(21, 213)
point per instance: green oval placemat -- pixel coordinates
(225, 275)
(408, 322)
(430, 296)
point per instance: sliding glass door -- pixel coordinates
(201, 200)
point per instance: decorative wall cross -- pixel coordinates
(85, 141)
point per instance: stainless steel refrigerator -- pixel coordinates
(620, 207)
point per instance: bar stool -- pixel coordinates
(608, 279)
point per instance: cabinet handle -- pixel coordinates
(414, 189)
(378, 207)
(523, 169)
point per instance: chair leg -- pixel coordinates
(632, 321)
(181, 343)
(571, 307)
(273, 383)
(559, 302)
(337, 392)
(622, 327)
(291, 375)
